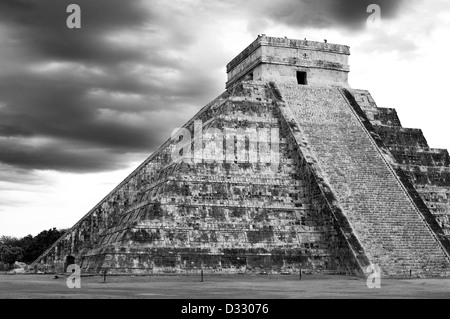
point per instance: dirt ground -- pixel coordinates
(218, 287)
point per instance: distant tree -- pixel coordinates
(10, 254)
(34, 247)
(30, 247)
(9, 241)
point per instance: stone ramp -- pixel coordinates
(385, 221)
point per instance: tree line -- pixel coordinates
(28, 248)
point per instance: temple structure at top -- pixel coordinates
(291, 61)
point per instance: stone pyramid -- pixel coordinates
(289, 168)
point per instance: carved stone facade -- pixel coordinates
(278, 173)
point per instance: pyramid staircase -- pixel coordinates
(385, 218)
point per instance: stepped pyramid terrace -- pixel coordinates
(290, 168)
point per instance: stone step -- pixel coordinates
(379, 210)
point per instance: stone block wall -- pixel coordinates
(381, 211)
(278, 59)
(427, 168)
(216, 215)
(229, 216)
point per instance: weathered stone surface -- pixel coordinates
(321, 179)
(224, 217)
(278, 59)
(380, 211)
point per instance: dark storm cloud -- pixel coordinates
(76, 88)
(339, 14)
(353, 13)
(40, 27)
(122, 82)
(60, 156)
(15, 175)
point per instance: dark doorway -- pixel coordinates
(70, 260)
(301, 78)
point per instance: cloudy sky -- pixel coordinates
(81, 108)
